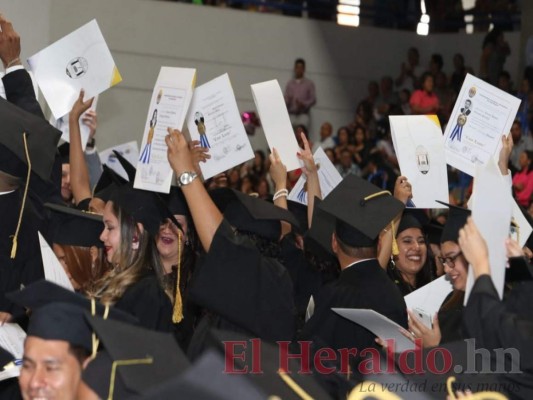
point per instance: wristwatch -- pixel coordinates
(186, 177)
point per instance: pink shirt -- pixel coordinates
(525, 178)
(420, 98)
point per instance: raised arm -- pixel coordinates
(205, 214)
(310, 169)
(79, 174)
(403, 192)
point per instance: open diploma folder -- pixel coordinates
(214, 121)
(80, 60)
(379, 325)
(171, 97)
(328, 177)
(481, 115)
(276, 123)
(12, 340)
(417, 140)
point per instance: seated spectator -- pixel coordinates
(405, 96)
(346, 166)
(326, 139)
(343, 142)
(410, 71)
(425, 101)
(361, 149)
(523, 180)
(387, 101)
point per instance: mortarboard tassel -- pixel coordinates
(293, 385)
(474, 396)
(95, 341)
(177, 314)
(120, 363)
(15, 236)
(395, 249)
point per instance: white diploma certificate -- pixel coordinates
(168, 108)
(482, 114)
(276, 123)
(328, 177)
(130, 151)
(62, 124)
(80, 60)
(379, 325)
(418, 144)
(53, 271)
(492, 209)
(214, 121)
(429, 297)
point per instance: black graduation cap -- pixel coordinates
(176, 202)
(456, 219)
(434, 231)
(107, 178)
(61, 321)
(73, 227)
(6, 358)
(412, 218)
(251, 214)
(41, 140)
(273, 381)
(64, 153)
(299, 211)
(130, 169)
(97, 374)
(144, 206)
(323, 226)
(143, 358)
(361, 211)
(41, 293)
(206, 380)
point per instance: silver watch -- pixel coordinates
(186, 177)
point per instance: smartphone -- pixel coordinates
(424, 317)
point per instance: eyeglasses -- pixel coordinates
(450, 261)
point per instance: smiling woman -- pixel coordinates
(410, 269)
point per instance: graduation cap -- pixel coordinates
(61, 321)
(412, 218)
(108, 178)
(143, 206)
(275, 382)
(73, 227)
(64, 153)
(139, 357)
(251, 214)
(206, 380)
(41, 293)
(360, 210)
(176, 202)
(434, 231)
(130, 169)
(41, 141)
(27, 144)
(457, 217)
(299, 211)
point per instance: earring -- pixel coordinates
(135, 243)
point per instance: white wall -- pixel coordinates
(251, 47)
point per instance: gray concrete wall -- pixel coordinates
(251, 47)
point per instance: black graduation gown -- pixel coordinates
(243, 290)
(19, 91)
(27, 266)
(147, 301)
(489, 321)
(450, 321)
(363, 285)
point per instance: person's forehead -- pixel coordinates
(39, 349)
(449, 247)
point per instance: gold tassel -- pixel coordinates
(15, 237)
(95, 340)
(293, 385)
(474, 396)
(177, 314)
(120, 363)
(395, 249)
